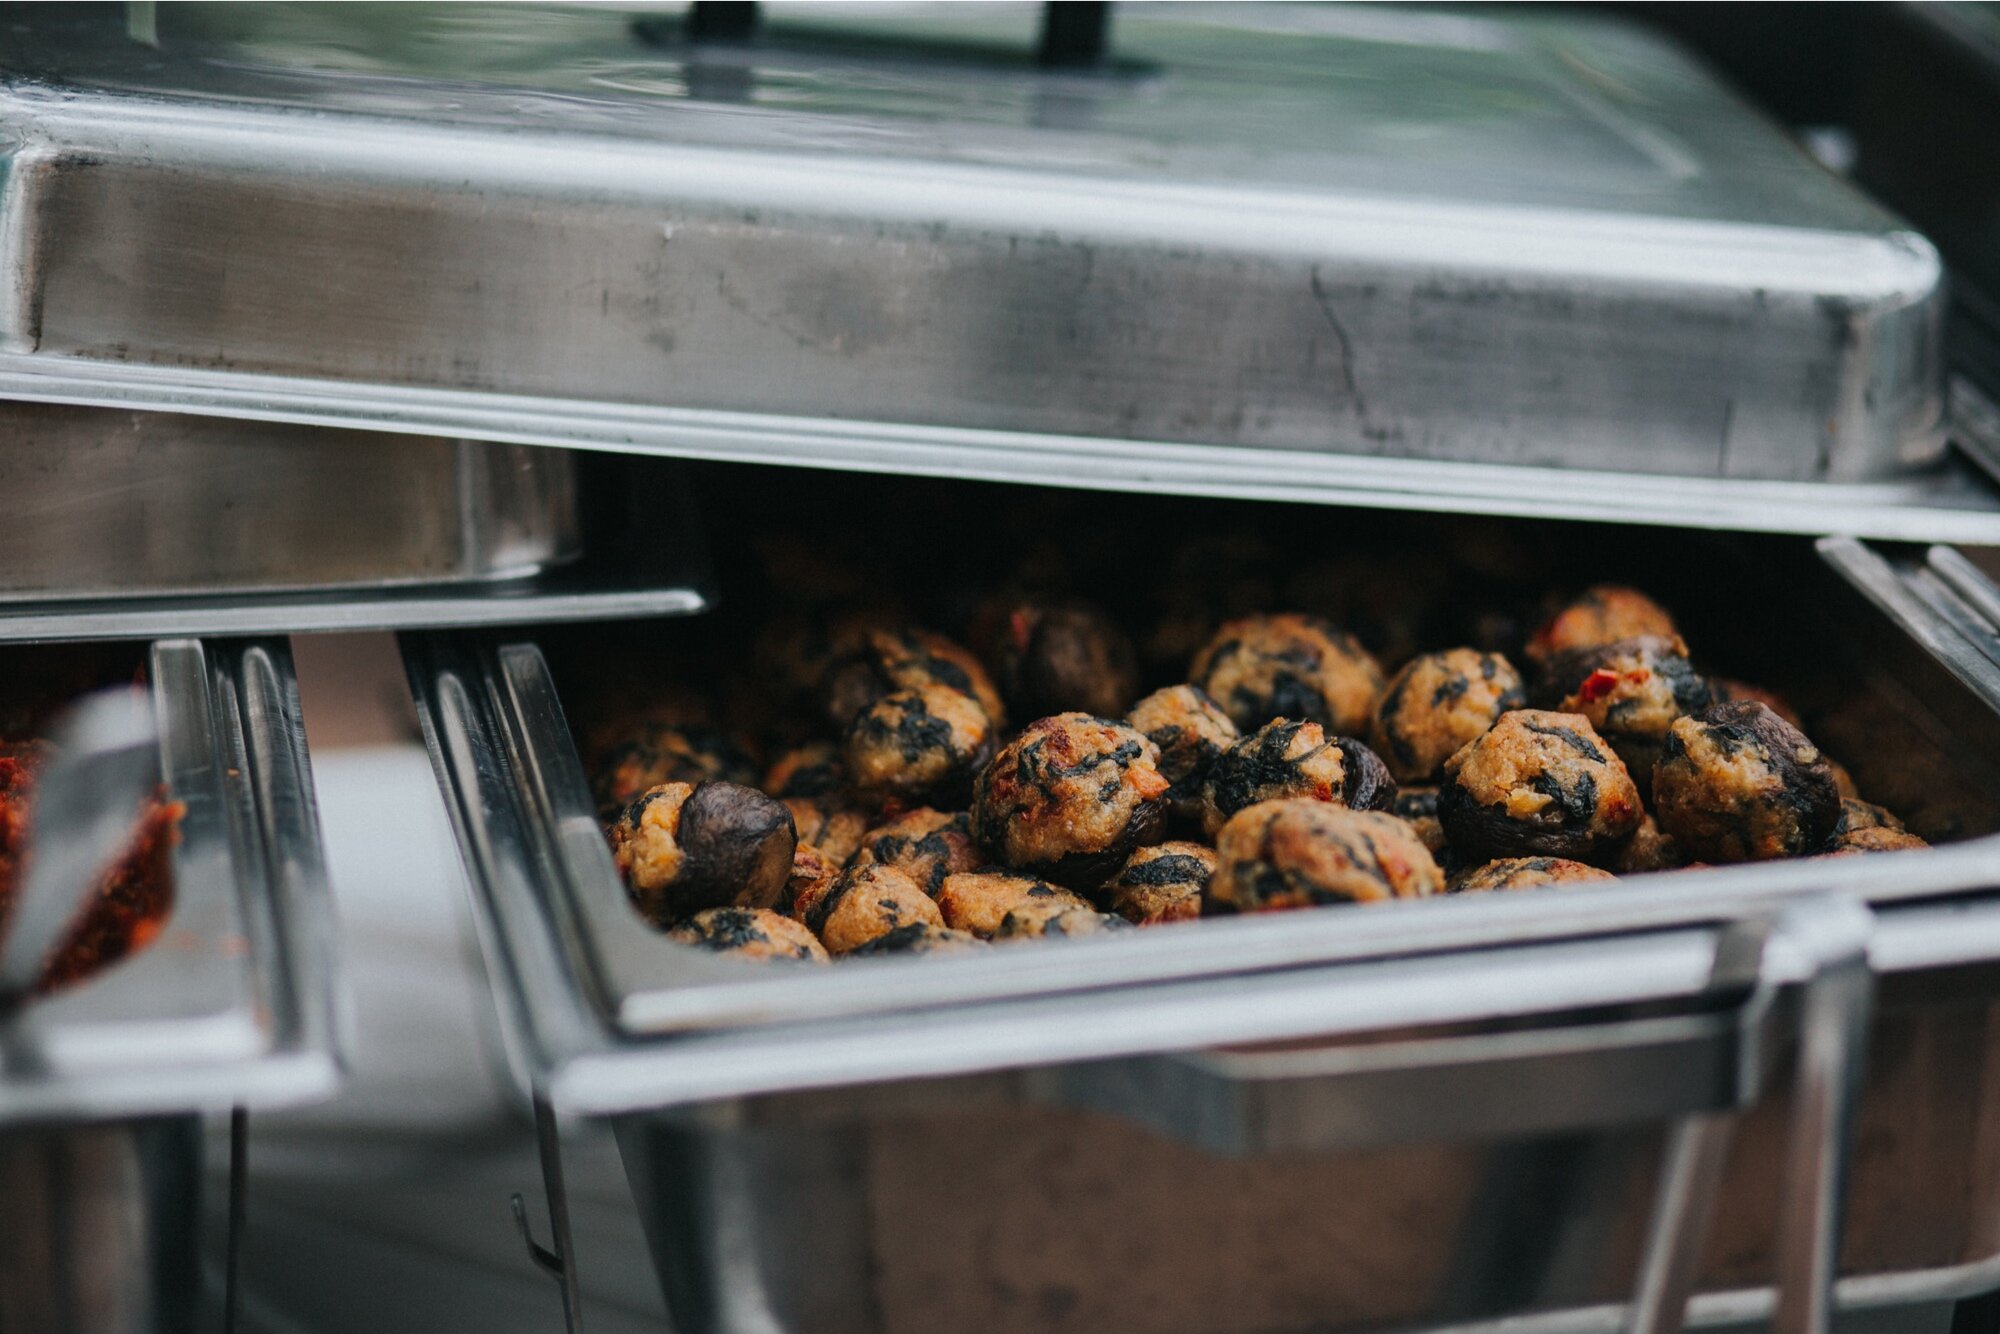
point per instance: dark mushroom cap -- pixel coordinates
(1058, 657)
(739, 846)
(1602, 615)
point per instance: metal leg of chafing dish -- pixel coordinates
(239, 1187)
(560, 1262)
(1834, 1013)
(1834, 1008)
(1690, 1177)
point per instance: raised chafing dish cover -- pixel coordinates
(1478, 239)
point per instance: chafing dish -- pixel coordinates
(103, 1086)
(1282, 232)
(1477, 1097)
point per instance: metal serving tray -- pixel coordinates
(232, 1006)
(1361, 237)
(1488, 1071)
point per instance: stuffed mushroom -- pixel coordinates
(1603, 615)
(1191, 731)
(1736, 783)
(1041, 920)
(1058, 657)
(1289, 666)
(1298, 853)
(1289, 758)
(928, 845)
(1070, 798)
(1436, 704)
(682, 848)
(920, 744)
(978, 902)
(1164, 883)
(1527, 873)
(749, 933)
(918, 938)
(1538, 783)
(866, 902)
(1631, 691)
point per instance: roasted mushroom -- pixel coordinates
(1070, 798)
(1039, 920)
(815, 769)
(656, 753)
(1191, 730)
(918, 938)
(1289, 758)
(1727, 691)
(1631, 691)
(749, 933)
(1164, 883)
(1538, 783)
(834, 823)
(979, 901)
(1418, 807)
(1057, 657)
(1436, 704)
(928, 845)
(813, 873)
(889, 662)
(1857, 814)
(865, 902)
(1526, 873)
(1603, 615)
(1876, 838)
(1648, 850)
(682, 849)
(920, 744)
(1297, 853)
(1738, 783)
(1289, 666)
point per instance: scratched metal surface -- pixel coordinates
(1413, 235)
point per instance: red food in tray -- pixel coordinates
(134, 895)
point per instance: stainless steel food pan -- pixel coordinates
(1489, 240)
(1467, 1110)
(230, 1006)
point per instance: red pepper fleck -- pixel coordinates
(1018, 625)
(1597, 685)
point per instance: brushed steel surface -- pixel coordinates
(1494, 240)
(103, 1227)
(233, 1003)
(98, 503)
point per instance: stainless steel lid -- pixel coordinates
(879, 236)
